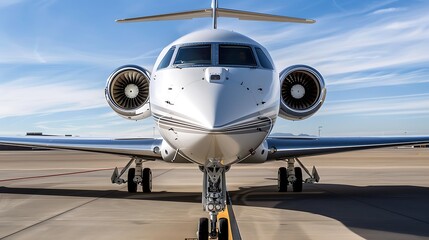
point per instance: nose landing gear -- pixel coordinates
(214, 202)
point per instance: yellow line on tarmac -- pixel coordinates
(225, 214)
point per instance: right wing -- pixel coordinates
(291, 147)
(147, 148)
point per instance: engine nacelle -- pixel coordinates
(302, 92)
(127, 92)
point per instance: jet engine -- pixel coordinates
(127, 92)
(302, 92)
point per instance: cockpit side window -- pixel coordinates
(236, 55)
(165, 62)
(263, 59)
(196, 54)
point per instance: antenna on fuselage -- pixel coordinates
(215, 12)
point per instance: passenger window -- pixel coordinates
(236, 55)
(263, 59)
(198, 54)
(167, 59)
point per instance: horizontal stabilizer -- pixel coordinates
(170, 16)
(243, 15)
(221, 12)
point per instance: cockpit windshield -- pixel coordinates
(198, 54)
(167, 59)
(216, 54)
(236, 55)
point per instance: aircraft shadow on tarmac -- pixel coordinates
(365, 210)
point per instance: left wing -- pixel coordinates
(147, 148)
(291, 147)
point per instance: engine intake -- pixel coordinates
(127, 92)
(302, 92)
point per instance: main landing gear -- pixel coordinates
(136, 176)
(214, 201)
(293, 175)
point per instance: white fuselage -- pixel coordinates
(213, 108)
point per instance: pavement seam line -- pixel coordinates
(55, 175)
(59, 214)
(71, 209)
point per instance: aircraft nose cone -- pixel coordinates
(216, 105)
(215, 122)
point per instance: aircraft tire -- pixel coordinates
(297, 185)
(203, 229)
(132, 186)
(282, 180)
(147, 180)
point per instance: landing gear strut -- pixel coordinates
(136, 176)
(293, 175)
(214, 201)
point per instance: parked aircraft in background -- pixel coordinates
(215, 96)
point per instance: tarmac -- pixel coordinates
(376, 194)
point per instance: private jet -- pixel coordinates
(215, 96)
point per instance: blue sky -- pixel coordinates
(55, 57)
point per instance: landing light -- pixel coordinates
(218, 207)
(210, 207)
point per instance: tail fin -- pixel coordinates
(216, 12)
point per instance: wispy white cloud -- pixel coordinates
(383, 106)
(7, 3)
(376, 79)
(39, 3)
(16, 53)
(372, 46)
(358, 42)
(28, 96)
(387, 10)
(45, 3)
